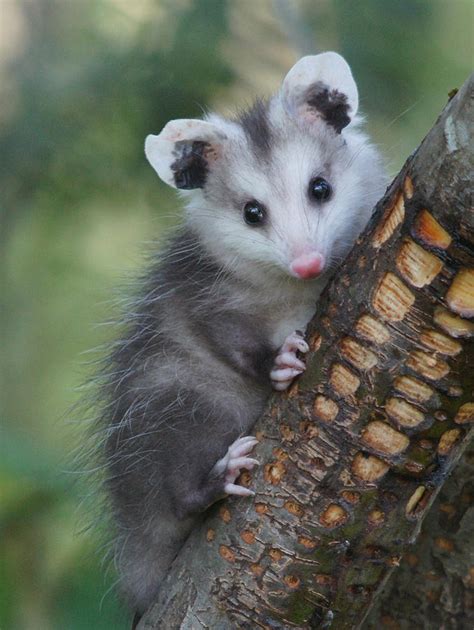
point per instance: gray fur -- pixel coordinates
(257, 127)
(188, 368)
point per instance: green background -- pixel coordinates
(81, 84)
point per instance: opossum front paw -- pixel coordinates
(234, 461)
(287, 365)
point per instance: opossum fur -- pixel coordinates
(192, 371)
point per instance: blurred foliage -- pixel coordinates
(82, 83)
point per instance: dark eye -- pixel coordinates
(254, 213)
(319, 189)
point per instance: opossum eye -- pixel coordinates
(254, 213)
(319, 189)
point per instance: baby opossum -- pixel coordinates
(275, 198)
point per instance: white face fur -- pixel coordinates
(283, 190)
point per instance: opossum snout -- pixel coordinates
(307, 265)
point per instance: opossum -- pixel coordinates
(275, 197)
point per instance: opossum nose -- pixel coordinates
(307, 265)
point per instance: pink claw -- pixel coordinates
(287, 365)
(234, 461)
(240, 491)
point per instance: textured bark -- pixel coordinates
(353, 456)
(434, 587)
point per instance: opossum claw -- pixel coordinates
(287, 365)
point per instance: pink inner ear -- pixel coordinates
(212, 152)
(308, 113)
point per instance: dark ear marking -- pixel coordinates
(332, 105)
(191, 165)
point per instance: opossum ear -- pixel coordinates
(321, 87)
(184, 151)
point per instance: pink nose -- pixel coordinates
(307, 265)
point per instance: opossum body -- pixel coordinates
(274, 201)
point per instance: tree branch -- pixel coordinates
(355, 453)
(434, 586)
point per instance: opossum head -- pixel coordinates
(285, 187)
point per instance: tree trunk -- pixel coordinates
(434, 587)
(353, 456)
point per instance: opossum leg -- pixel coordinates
(287, 365)
(233, 462)
(219, 482)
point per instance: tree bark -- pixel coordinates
(354, 455)
(434, 587)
